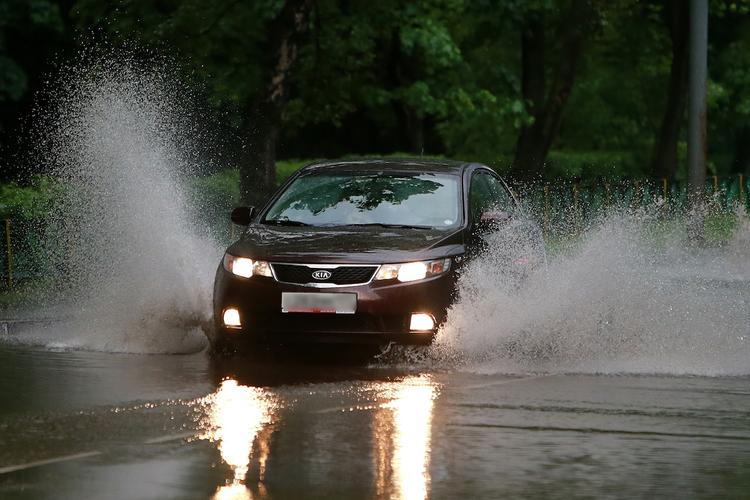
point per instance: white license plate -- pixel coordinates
(319, 303)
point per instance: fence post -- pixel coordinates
(664, 187)
(607, 195)
(9, 254)
(741, 194)
(637, 195)
(546, 209)
(577, 208)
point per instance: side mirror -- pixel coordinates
(492, 219)
(242, 215)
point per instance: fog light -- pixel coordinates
(232, 318)
(421, 322)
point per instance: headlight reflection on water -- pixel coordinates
(238, 417)
(403, 431)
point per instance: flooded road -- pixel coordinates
(556, 393)
(76, 424)
(550, 397)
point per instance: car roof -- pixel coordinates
(390, 165)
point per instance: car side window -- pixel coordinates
(487, 193)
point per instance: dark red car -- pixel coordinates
(363, 251)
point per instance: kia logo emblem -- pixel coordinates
(321, 275)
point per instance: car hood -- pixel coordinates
(343, 245)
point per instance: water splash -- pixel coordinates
(136, 269)
(617, 303)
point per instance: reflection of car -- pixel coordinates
(362, 251)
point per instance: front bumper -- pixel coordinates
(383, 312)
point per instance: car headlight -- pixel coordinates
(242, 266)
(413, 271)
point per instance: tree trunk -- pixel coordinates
(258, 165)
(532, 89)
(664, 158)
(535, 140)
(258, 171)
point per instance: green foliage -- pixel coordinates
(609, 163)
(393, 72)
(215, 195)
(23, 22)
(286, 168)
(28, 202)
(728, 90)
(481, 123)
(723, 8)
(571, 165)
(621, 92)
(12, 80)
(377, 55)
(220, 43)
(720, 227)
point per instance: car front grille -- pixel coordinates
(302, 274)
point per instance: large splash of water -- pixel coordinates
(136, 269)
(617, 303)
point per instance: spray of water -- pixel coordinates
(136, 270)
(617, 303)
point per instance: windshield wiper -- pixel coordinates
(285, 222)
(382, 224)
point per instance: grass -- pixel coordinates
(720, 227)
(11, 300)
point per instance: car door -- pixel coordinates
(499, 227)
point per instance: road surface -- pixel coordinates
(77, 424)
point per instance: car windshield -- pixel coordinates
(401, 200)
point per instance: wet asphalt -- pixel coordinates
(77, 424)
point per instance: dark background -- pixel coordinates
(576, 88)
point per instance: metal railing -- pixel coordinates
(21, 250)
(567, 206)
(8, 255)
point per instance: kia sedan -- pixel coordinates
(364, 251)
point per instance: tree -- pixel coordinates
(394, 61)
(258, 168)
(487, 80)
(30, 33)
(664, 157)
(546, 103)
(242, 53)
(729, 101)
(303, 63)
